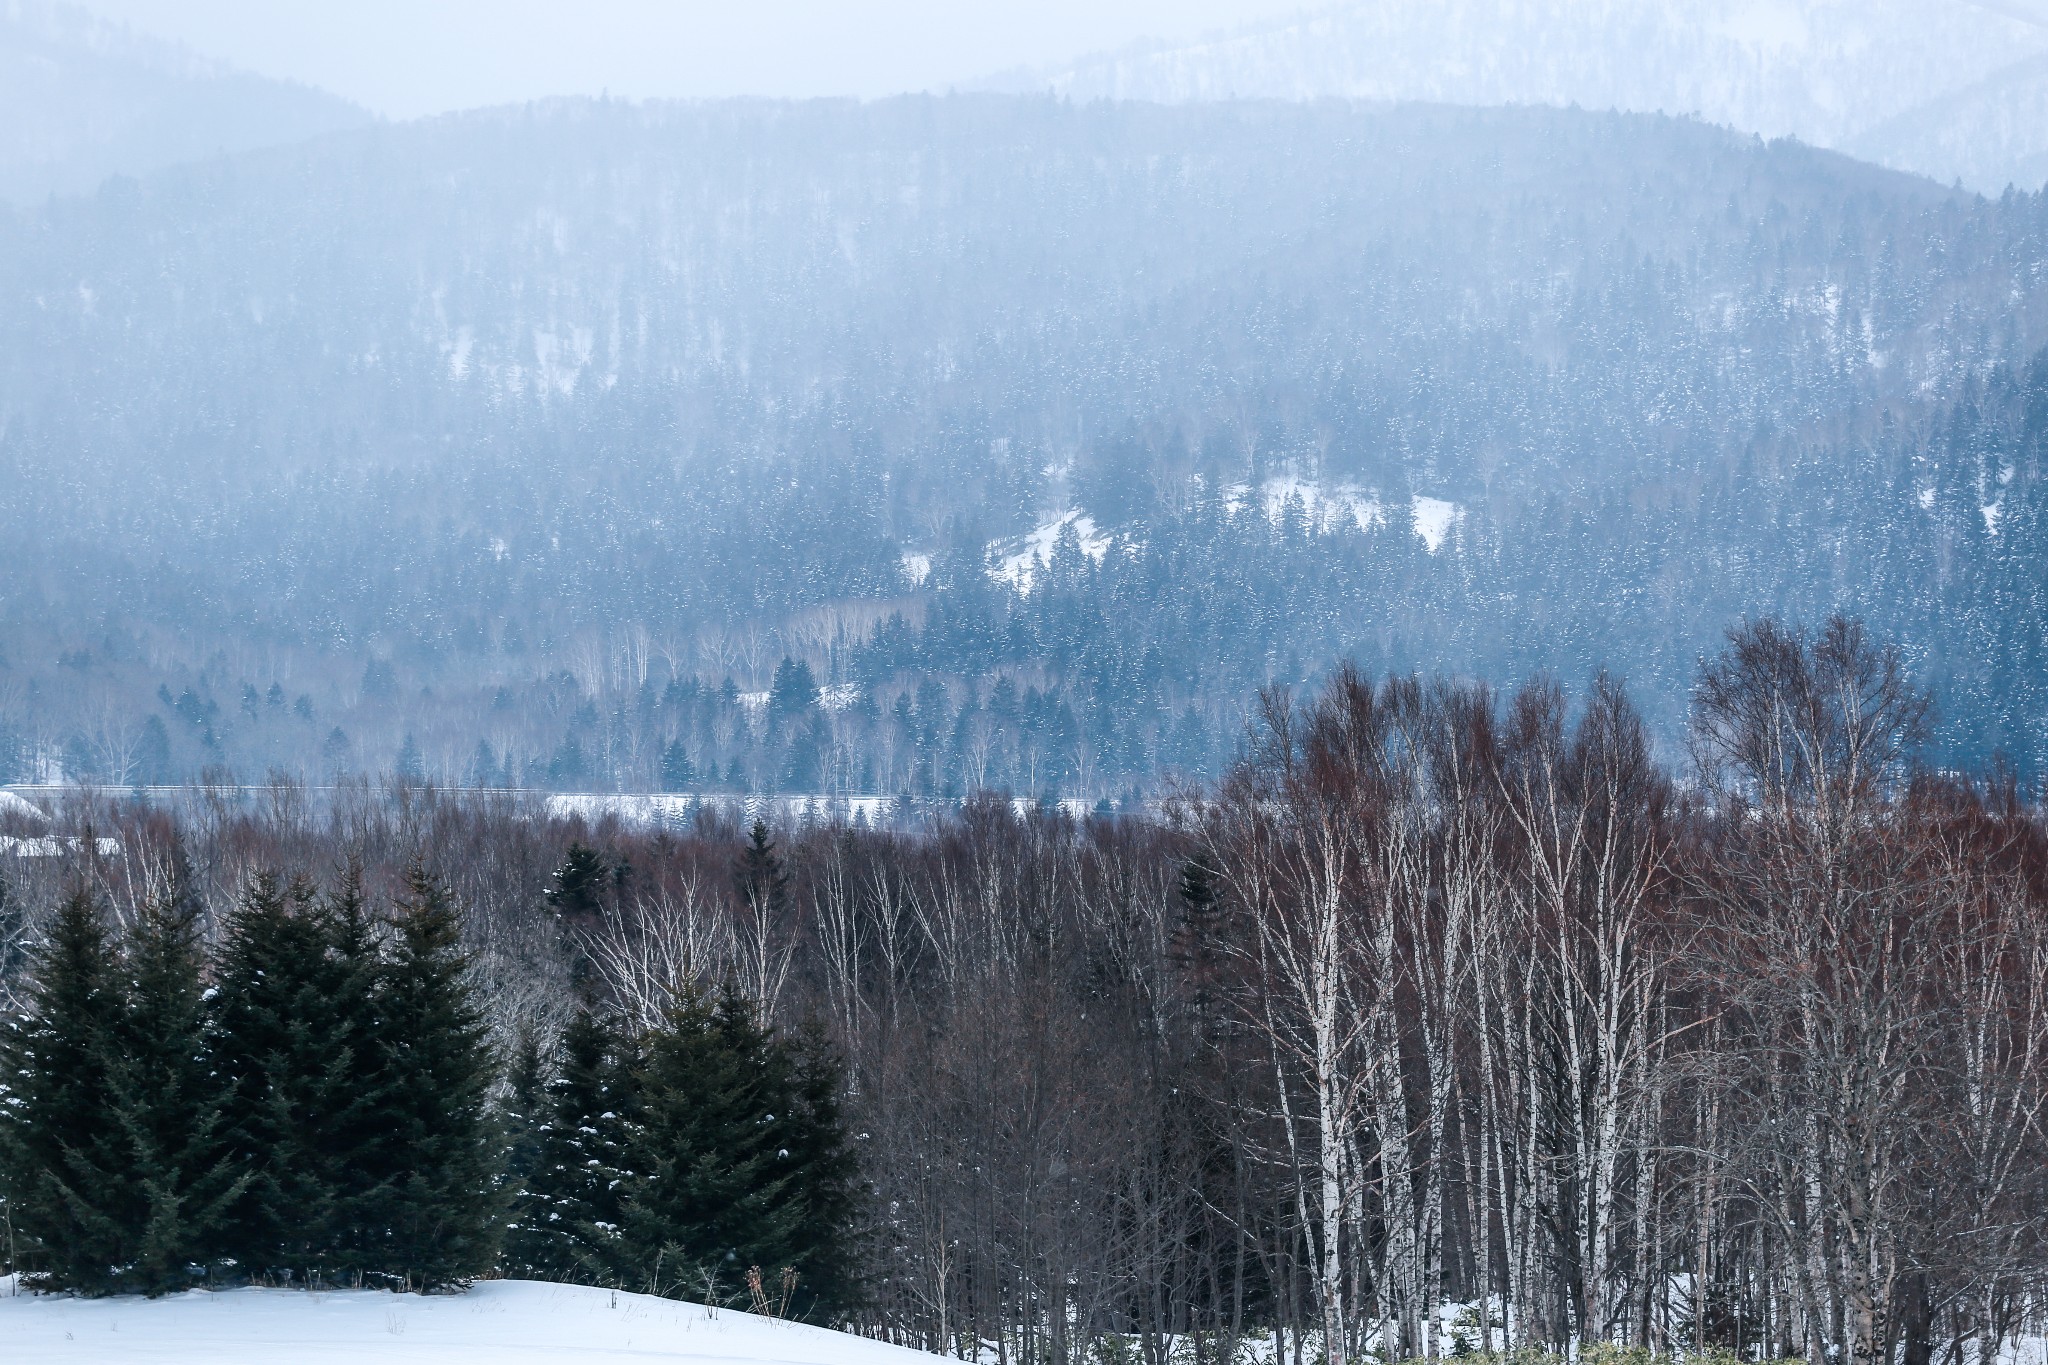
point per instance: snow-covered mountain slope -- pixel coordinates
(82, 99)
(1947, 88)
(501, 1322)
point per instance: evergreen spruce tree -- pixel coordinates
(354, 1140)
(571, 1202)
(760, 880)
(677, 772)
(803, 765)
(739, 1161)
(442, 1216)
(523, 1119)
(793, 691)
(579, 884)
(169, 1098)
(70, 1202)
(411, 766)
(825, 1184)
(298, 1036)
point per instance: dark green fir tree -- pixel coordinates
(524, 1116)
(678, 773)
(826, 1184)
(740, 1162)
(298, 1035)
(760, 881)
(70, 1205)
(444, 1217)
(570, 1207)
(578, 887)
(355, 1144)
(169, 1098)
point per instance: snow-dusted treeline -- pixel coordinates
(523, 447)
(1443, 996)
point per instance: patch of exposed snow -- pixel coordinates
(1324, 506)
(502, 1322)
(13, 804)
(1993, 512)
(56, 846)
(917, 567)
(677, 810)
(1071, 806)
(1434, 519)
(1927, 499)
(562, 359)
(838, 696)
(458, 351)
(1328, 506)
(755, 702)
(1020, 566)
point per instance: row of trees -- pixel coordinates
(318, 1102)
(317, 1113)
(685, 1157)
(1764, 1063)
(1443, 997)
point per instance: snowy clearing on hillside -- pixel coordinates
(1433, 520)
(1019, 566)
(1322, 506)
(503, 1322)
(1327, 507)
(1017, 561)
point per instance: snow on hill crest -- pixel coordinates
(1954, 89)
(82, 99)
(499, 1322)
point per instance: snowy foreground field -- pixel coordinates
(498, 1322)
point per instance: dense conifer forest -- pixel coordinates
(1447, 1019)
(920, 446)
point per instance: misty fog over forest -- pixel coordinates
(1299, 682)
(522, 446)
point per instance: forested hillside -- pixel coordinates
(600, 445)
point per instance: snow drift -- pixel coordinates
(503, 1322)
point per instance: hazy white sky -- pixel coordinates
(409, 57)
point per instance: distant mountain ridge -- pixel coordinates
(1953, 89)
(82, 99)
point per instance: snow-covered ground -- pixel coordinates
(1018, 562)
(498, 1322)
(1433, 520)
(676, 810)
